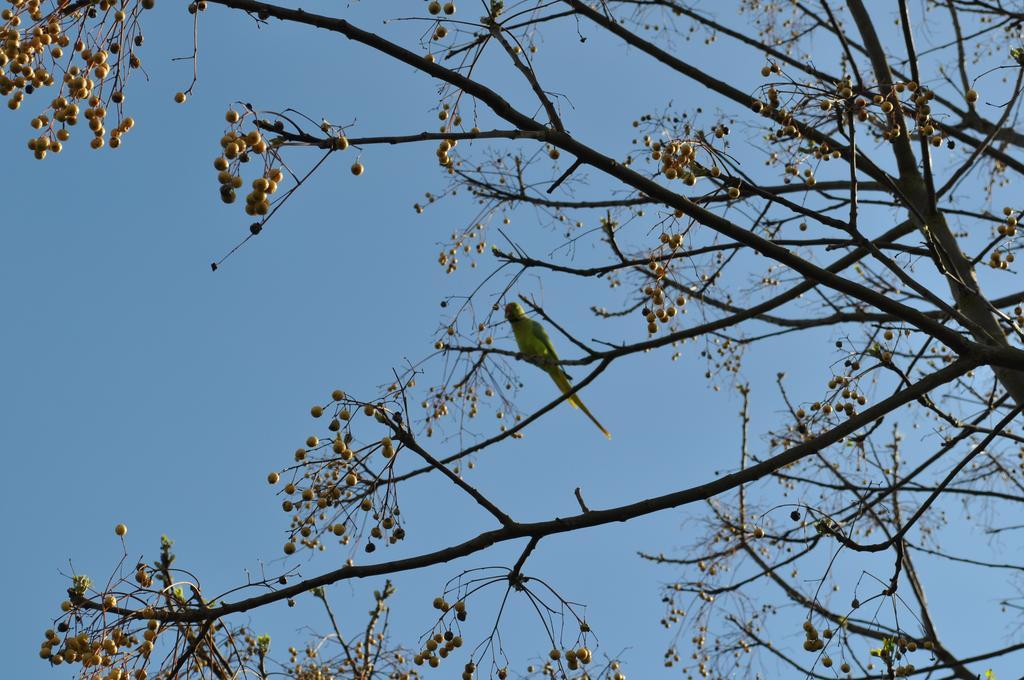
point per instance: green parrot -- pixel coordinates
(534, 343)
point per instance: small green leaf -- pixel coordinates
(80, 583)
(263, 644)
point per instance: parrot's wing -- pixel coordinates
(542, 336)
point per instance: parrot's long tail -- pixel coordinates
(563, 384)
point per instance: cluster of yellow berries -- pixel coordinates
(444, 606)
(24, 56)
(439, 399)
(726, 356)
(921, 97)
(40, 145)
(574, 658)
(311, 670)
(257, 201)
(824, 152)
(792, 171)
(25, 53)
(449, 120)
(1009, 226)
(712, 569)
(438, 404)
(469, 242)
(661, 310)
(996, 260)
(143, 577)
(255, 644)
(1006, 229)
(852, 397)
(675, 153)
(552, 670)
(445, 147)
(237, 147)
(859, 106)
(441, 644)
(331, 481)
(673, 241)
(773, 109)
(813, 642)
(438, 647)
(113, 651)
(918, 99)
(465, 397)
(678, 160)
(700, 654)
(897, 650)
(674, 613)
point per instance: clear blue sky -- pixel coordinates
(141, 387)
